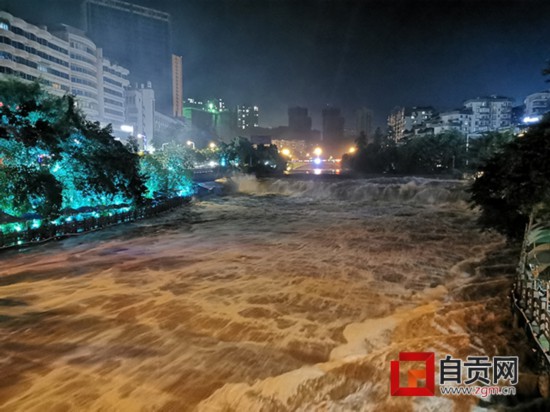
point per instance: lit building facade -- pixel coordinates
(140, 113)
(491, 113)
(459, 120)
(536, 106)
(32, 53)
(396, 123)
(112, 94)
(410, 121)
(247, 117)
(98, 84)
(177, 86)
(83, 70)
(64, 60)
(418, 116)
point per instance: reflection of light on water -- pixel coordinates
(317, 171)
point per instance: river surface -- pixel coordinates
(288, 295)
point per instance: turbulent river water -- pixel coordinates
(287, 295)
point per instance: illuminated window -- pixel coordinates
(4, 25)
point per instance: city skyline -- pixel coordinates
(280, 54)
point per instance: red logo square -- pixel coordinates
(414, 375)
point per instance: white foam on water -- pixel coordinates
(290, 295)
(409, 189)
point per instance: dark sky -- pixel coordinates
(378, 54)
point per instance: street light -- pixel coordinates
(212, 145)
(317, 151)
(285, 152)
(190, 143)
(352, 150)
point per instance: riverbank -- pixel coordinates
(34, 231)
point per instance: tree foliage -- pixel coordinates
(168, 171)
(514, 181)
(51, 158)
(445, 153)
(243, 156)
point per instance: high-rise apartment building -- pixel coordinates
(491, 113)
(459, 120)
(177, 86)
(98, 84)
(210, 118)
(396, 123)
(140, 113)
(536, 105)
(364, 121)
(408, 121)
(333, 124)
(112, 94)
(32, 53)
(137, 38)
(84, 70)
(64, 61)
(247, 117)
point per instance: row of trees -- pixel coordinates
(515, 182)
(52, 158)
(446, 153)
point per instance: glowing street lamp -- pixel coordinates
(190, 143)
(352, 149)
(285, 152)
(212, 145)
(317, 151)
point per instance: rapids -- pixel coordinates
(287, 295)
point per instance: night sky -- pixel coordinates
(378, 54)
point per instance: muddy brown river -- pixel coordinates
(289, 295)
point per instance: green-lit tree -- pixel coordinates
(239, 154)
(52, 158)
(167, 172)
